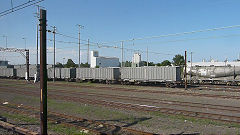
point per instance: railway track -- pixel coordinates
(181, 93)
(147, 100)
(91, 126)
(141, 107)
(201, 87)
(10, 128)
(218, 88)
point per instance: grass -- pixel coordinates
(61, 129)
(57, 128)
(17, 84)
(90, 111)
(30, 99)
(195, 120)
(19, 117)
(84, 110)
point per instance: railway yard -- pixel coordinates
(93, 108)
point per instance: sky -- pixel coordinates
(116, 20)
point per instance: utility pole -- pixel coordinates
(54, 52)
(191, 70)
(88, 53)
(27, 64)
(185, 70)
(79, 51)
(147, 56)
(122, 53)
(25, 42)
(4, 36)
(37, 74)
(43, 73)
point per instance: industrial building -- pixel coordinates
(136, 60)
(97, 61)
(3, 63)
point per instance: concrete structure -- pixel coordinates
(96, 60)
(136, 60)
(3, 63)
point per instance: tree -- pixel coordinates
(149, 63)
(159, 64)
(85, 65)
(59, 65)
(178, 60)
(70, 63)
(164, 63)
(127, 64)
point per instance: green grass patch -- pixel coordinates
(57, 128)
(30, 99)
(20, 117)
(195, 120)
(61, 129)
(89, 110)
(17, 84)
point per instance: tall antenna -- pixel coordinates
(79, 51)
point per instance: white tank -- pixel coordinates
(213, 71)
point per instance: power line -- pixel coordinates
(201, 38)
(175, 34)
(19, 7)
(108, 46)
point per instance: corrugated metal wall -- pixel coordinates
(151, 73)
(98, 73)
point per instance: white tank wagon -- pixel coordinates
(7, 73)
(163, 74)
(214, 71)
(215, 74)
(108, 74)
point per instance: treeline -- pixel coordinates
(177, 60)
(70, 63)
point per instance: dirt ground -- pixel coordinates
(154, 122)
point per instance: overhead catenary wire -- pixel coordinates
(114, 47)
(160, 36)
(11, 9)
(19, 7)
(175, 34)
(200, 38)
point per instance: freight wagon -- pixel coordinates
(7, 72)
(50, 73)
(214, 74)
(108, 75)
(168, 75)
(21, 72)
(68, 74)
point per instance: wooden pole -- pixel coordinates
(43, 73)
